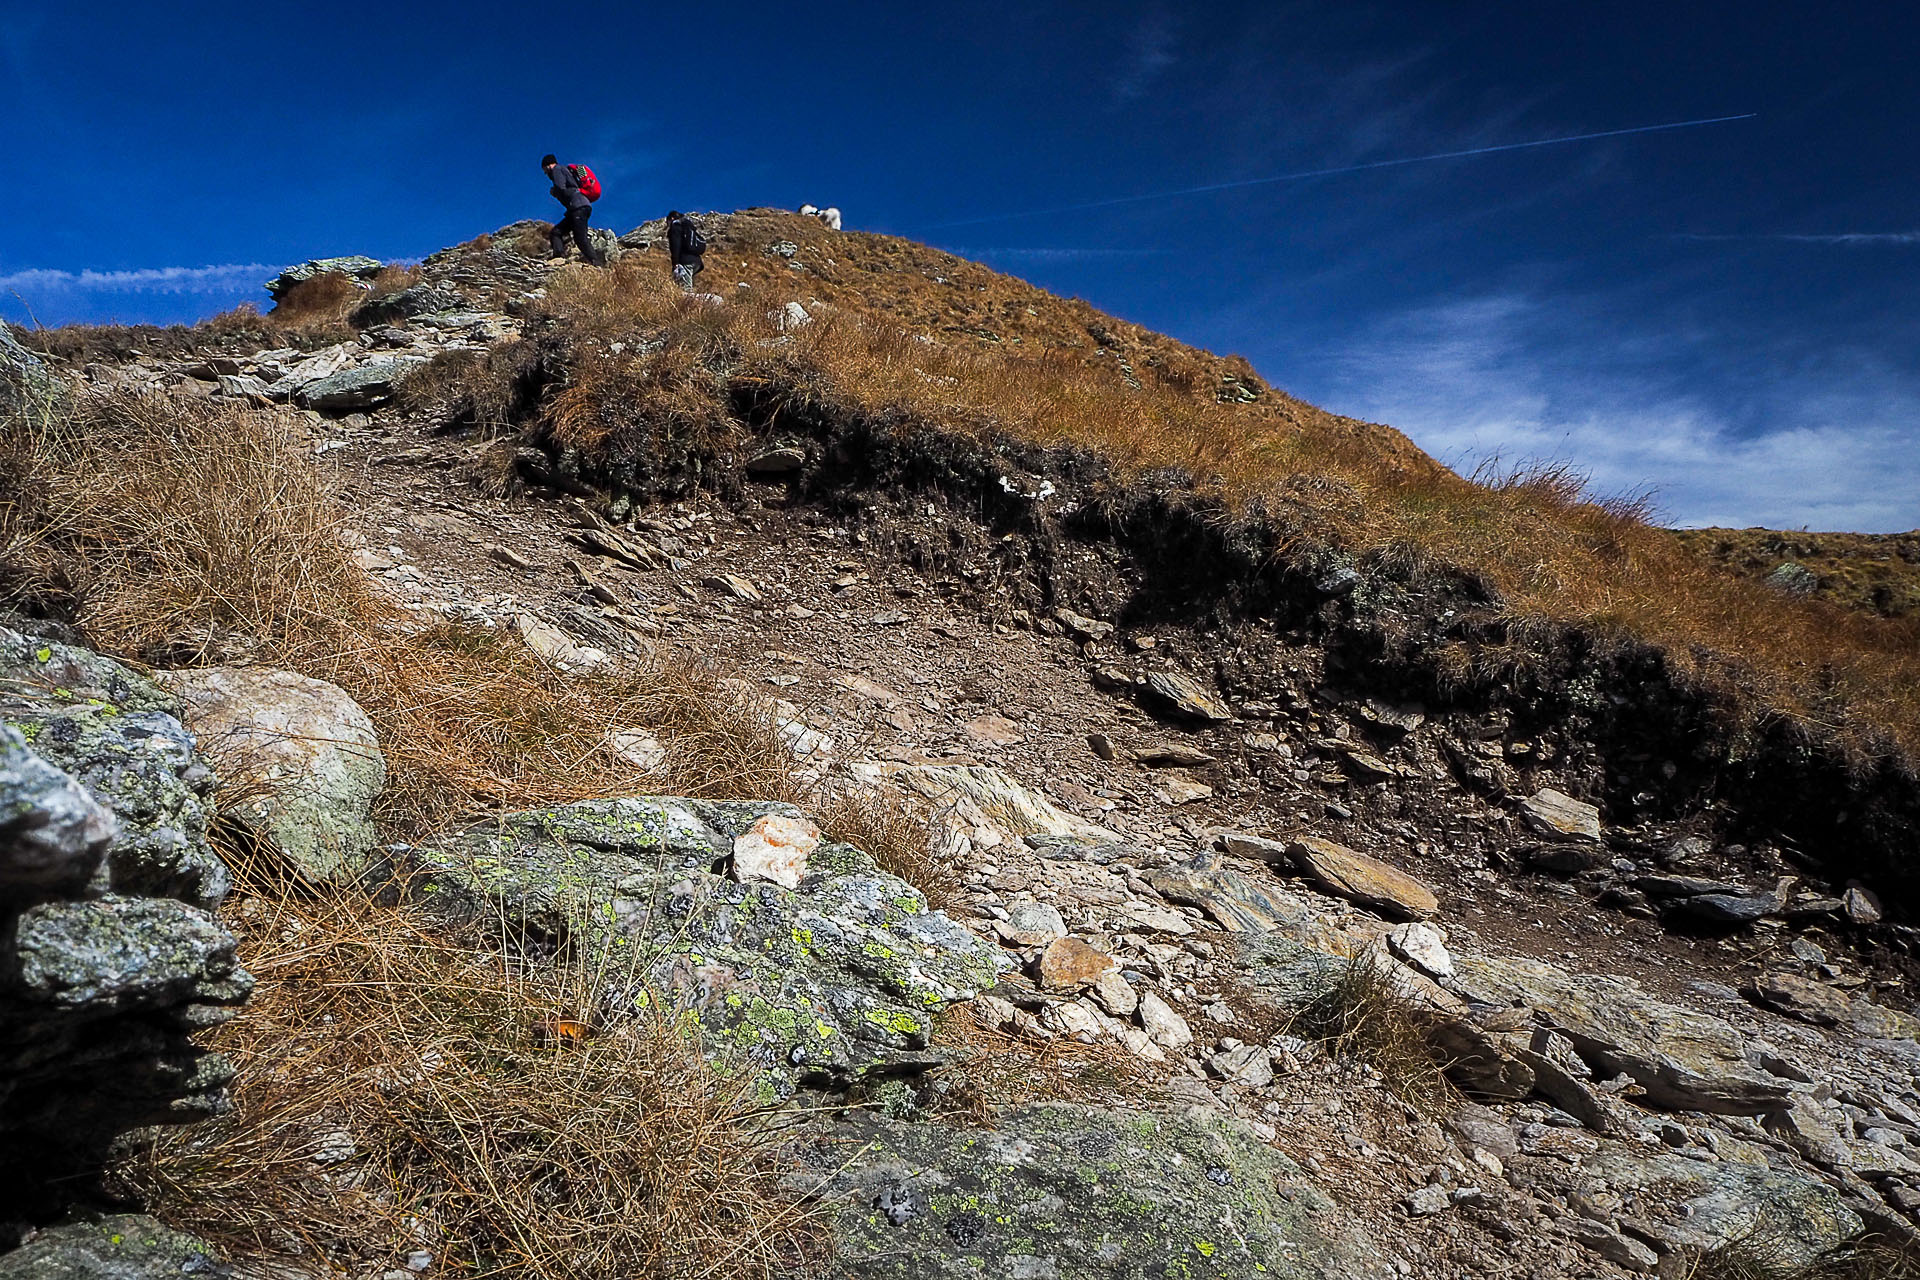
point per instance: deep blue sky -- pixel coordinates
(1724, 314)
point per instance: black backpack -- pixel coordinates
(696, 242)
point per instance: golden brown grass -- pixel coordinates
(1874, 574)
(893, 344)
(1362, 1018)
(400, 1090)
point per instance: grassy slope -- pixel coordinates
(1873, 574)
(917, 339)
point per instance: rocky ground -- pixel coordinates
(1661, 1044)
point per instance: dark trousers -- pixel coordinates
(575, 221)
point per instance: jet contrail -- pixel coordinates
(1351, 168)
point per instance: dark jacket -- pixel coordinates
(566, 190)
(680, 241)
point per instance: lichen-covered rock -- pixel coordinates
(109, 959)
(119, 735)
(1055, 1192)
(25, 383)
(121, 1246)
(362, 387)
(309, 751)
(52, 833)
(835, 978)
(1711, 1205)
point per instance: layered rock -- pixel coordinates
(109, 956)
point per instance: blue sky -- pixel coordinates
(1723, 314)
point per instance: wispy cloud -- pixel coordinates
(223, 276)
(1150, 52)
(1855, 238)
(1470, 381)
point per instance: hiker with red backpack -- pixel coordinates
(575, 187)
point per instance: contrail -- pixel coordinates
(1351, 168)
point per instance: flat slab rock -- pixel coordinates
(1716, 1203)
(1353, 875)
(1056, 1192)
(1686, 1060)
(821, 983)
(1558, 816)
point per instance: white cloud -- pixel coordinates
(1852, 239)
(222, 277)
(1468, 381)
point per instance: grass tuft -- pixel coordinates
(1362, 1017)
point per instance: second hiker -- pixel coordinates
(685, 247)
(575, 187)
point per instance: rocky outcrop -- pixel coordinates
(307, 753)
(24, 379)
(836, 979)
(1059, 1191)
(122, 1246)
(353, 266)
(109, 958)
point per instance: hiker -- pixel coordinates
(576, 193)
(685, 247)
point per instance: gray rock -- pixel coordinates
(1623, 1251)
(777, 460)
(1238, 903)
(122, 1246)
(1725, 1201)
(416, 300)
(119, 736)
(1792, 578)
(308, 751)
(1057, 1192)
(1729, 908)
(1249, 1065)
(1032, 924)
(833, 980)
(1165, 1027)
(1685, 1060)
(52, 833)
(364, 387)
(25, 382)
(1424, 1202)
(109, 959)
(355, 267)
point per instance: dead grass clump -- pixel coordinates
(996, 1069)
(1363, 1018)
(897, 830)
(318, 305)
(176, 530)
(1769, 1255)
(398, 1090)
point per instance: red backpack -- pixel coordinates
(589, 185)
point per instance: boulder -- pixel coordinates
(1683, 1059)
(354, 267)
(835, 978)
(1061, 1191)
(363, 387)
(1368, 881)
(1163, 1026)
(1558, 816)
(109, 958)
(119, 736)
(307, 752)
(1714, 1204)
(121, 1246)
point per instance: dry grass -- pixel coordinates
(1361, 1017)
(399, 1090)
(1761, 1257)
(920, 341)
(182, 532)
(995, 1070)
